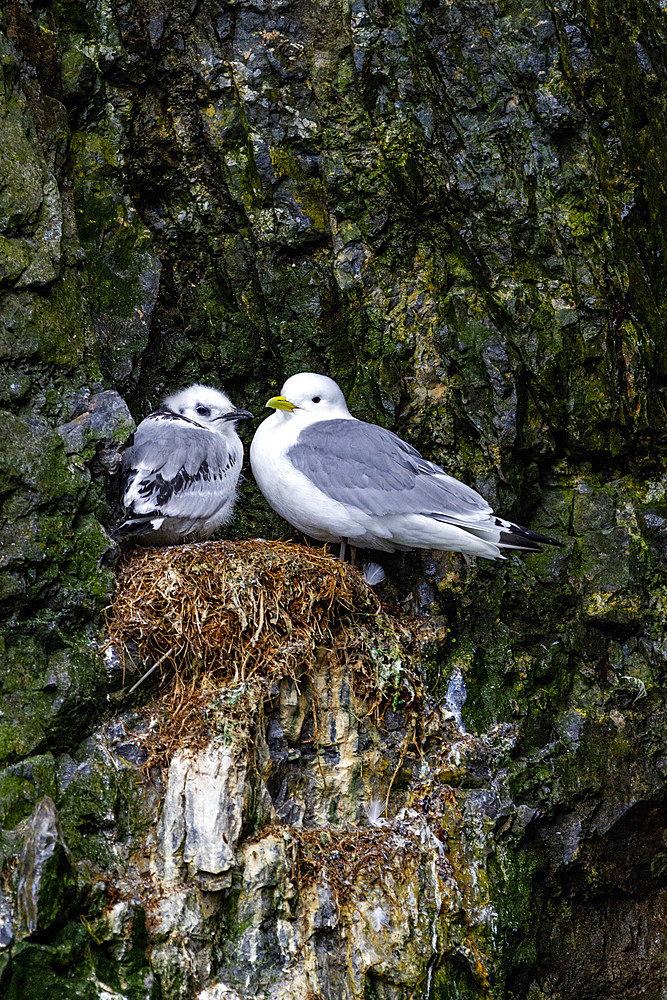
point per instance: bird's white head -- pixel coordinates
(315, 395)
(208, 407)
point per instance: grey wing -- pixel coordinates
(178, 469)
(370, 468)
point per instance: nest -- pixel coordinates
(225, 621)
(337, 858)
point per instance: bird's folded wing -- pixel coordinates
(166, 443)
(370, 468)
(178, 469)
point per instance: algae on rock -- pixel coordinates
(457, 210)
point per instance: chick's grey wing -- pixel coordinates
(166, 443)
(177, 469)
(369, 467)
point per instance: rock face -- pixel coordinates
(201, 816)
(457, 210)
(46, 876)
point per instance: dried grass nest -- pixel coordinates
(226, 621)
(339, 857)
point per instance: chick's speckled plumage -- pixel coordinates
(181, 473)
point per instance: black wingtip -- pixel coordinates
(142, 524)
(533, 539)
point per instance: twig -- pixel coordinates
(150, 671)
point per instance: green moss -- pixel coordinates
(47, 701)
(135, 810)
(78, 555)
(59, 328)
(32, 453)
(514, 876)
(40, 971)
(491, 288)
(21, 734)
(88, 809)
(120, 268)
(14, 259)
(447, 982)
(76, 15)
(23, 785)
(78, 964)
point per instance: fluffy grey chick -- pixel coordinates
(179, 476)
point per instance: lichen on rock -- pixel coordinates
(457, 210)
(292, 726)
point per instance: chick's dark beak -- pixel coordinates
(236, 415)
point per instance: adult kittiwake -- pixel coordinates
(179, 476)
(340, 479)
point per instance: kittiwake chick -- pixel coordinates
(179, 476)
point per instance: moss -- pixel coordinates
(32, 453)
(490, 287)
(39, 971)
(76, 16)
(21, 734)
(79, 555)
(88, 809)
(78, 76)
(135, 811)
(53, 328)
(514, 877)
(76, 964)
(449, 982)
(48, 701)
(14, 259)
(117, 943)
(23, 785)
(121, 272)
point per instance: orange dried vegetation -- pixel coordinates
(226, 620)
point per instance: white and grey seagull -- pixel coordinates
(339, 479)
(179, 476)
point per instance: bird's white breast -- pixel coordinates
(288, 491)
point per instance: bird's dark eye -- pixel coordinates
(203, 411)
(316, 399)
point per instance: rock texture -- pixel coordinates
(457, 209)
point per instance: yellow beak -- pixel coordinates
(280, 403)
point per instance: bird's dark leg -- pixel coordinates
(353, 554)
(341, 554)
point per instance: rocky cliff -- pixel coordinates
(457, 209)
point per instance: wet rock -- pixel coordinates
(105, 421)
(220, 992)
(454, 210)
(6, 922)
(201, 816)
(31, 220)
(47, 883)
(22, 785)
